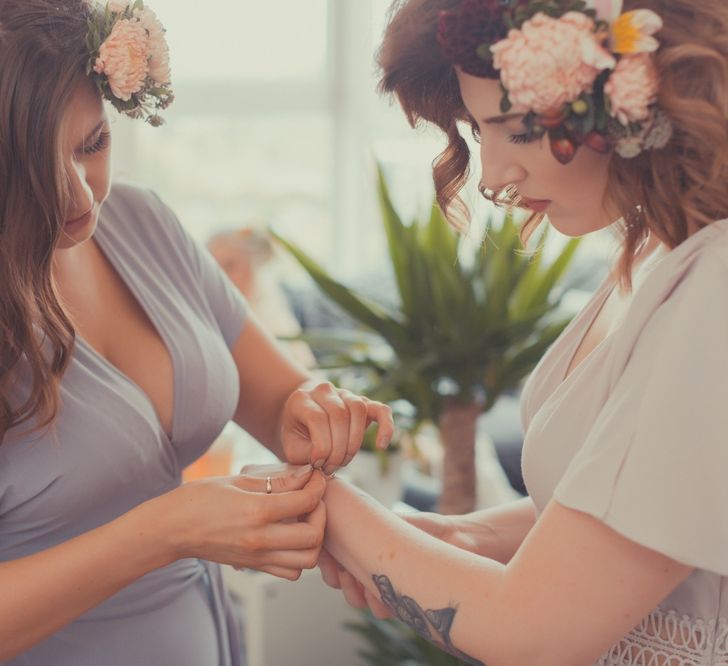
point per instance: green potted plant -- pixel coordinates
(391, 643)
(468, 327)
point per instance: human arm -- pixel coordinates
(229, 520)
(539, 608)
(496, 532)
(298, 417)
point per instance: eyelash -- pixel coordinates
(520, 138)
(101, 144)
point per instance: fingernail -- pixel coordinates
(330, 470)
(303, 471)
(319, 464)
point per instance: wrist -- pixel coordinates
(151, 528)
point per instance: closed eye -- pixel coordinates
(526, 137)
(100, 144)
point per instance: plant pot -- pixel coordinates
(492, 485)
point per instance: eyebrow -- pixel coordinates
(91, 134)
(502, 119)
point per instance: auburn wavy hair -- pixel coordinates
(42, 57)
(669, 191)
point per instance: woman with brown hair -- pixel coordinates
(124, 351)
(589, 115)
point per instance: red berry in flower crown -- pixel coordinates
(600, 65)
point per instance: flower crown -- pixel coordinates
(580, 71)
(129, 59)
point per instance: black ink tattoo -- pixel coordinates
(433, 625)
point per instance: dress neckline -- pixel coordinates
(130, 283)
(643, 270)
(598, 303)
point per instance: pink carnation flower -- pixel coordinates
(550, 62)
(123, 58)
(632, 88)
(158, 49)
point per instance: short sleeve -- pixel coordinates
(654, 466)
(228, 306)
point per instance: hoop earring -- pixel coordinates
(507, 197)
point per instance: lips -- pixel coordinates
(536, 205)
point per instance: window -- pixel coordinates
(277, 121)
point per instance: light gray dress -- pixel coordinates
(108, 451)
(637, 436)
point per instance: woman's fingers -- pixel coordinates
(329, 569)
(381, 414)
(353, 590)
(358, 422)
(283, 478)
(326, 426)
(278, 507)
(290, 536)
(373, 412)
(376, 606)
(282, 572)
(337, 413)
(306, 430)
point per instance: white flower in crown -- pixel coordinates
(631, 32)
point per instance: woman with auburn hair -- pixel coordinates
(589, 115)
(124, 351)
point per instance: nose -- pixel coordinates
(81, 194)
(499, 169)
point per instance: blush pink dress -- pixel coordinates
(637, 436)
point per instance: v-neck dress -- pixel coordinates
(107, 451)
(637, 436)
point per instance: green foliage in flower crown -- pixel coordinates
(521, 11)
(100, 24)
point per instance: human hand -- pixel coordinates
(233, 520)
(356, 594)
(325, 426)
(450, 529)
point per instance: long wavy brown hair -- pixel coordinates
(42, 56)
(670, 192)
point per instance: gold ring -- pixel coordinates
(268, 485)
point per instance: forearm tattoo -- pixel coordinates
(433, 625)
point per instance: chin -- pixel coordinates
(76, 236)
(574, 226)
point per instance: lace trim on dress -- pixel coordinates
(665, 638)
